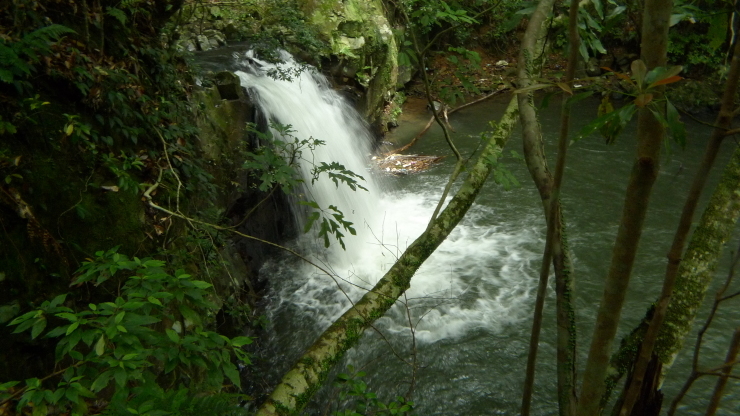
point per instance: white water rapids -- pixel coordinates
(481, 273)
(478, 282)
(471, 301)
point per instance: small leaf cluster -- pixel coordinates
(332, 222)
(428, 14)
(337, 173)
(643, 84)
(276, 163)
(150, 338)
(365, 401)
(17, 59)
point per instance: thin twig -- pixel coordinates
(695, 373)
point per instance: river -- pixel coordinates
(471, 302)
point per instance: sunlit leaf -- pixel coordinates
(661, 73)
(565, 87)
(38, 327)
(100, 346)
(676, 128)
(669, 80)
(643, 99)
(639, 70)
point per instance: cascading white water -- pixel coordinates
(475, 291)
(386, 223)
(305, 101)
(478, 281)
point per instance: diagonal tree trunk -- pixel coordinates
(722, 124)
(549, 187)
(730, 361)
(626, 357)
(650, 134)
(300, 383)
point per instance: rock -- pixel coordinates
(360, 36)
(592, 67)
(349, 46)
(351, 28)
(397, 164)
(231, 31)
(347, 69)
(405, 73)
(203, 43)
(229, 86)
(606, 61)
(189, 46)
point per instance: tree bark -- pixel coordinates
(300, 383)
(700, 261)
(650, 134)
(548, 187)
(722, 125)
(623, 360)
(719, 388)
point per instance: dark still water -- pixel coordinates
(470, 304)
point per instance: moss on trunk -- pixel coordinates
(301, 382)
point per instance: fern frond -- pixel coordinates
(40, 38)
(17, 58)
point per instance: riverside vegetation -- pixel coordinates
(105, 146)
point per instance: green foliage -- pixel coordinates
(132, 349)
(590, 30)
(120, 166)
(698, 33)
(17, 59)
(9, 165)
(501, 174)
(268, 25)
(430, 14)
(337, 173)
(276, 163)
(643, 85)
(365, 402)
(332, 222)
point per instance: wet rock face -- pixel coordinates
(364, 50)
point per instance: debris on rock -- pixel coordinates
(397, 164)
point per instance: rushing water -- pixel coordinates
(470, 303)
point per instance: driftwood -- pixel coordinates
(397, 164)
(431, 121)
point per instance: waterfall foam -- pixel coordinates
(477, 279)
(295, 95)
(477, 285)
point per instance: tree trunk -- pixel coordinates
(623, 360)
(700, 261)
(722, 124)
(730, 360)
(650, 134)
(300, 383)
(548, 187)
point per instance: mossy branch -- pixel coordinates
(301, 382)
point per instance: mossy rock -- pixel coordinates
(362, 41)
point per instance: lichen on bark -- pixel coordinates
(305, 378)
(700, 261)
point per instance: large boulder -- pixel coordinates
(363, 46)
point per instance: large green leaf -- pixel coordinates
(675, 127)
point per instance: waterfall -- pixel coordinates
(299, 96)
(481, 263)
(477, 283)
